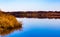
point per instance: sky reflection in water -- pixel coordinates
(37, 28)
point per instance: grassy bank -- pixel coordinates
(8, 21)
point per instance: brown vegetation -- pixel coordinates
(36, 14)
(8, 21)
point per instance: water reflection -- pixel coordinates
(36, 28)
(8, 31)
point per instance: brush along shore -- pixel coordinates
(8, 21)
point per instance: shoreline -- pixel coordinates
(36, 14)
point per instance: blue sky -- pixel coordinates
(30, 5)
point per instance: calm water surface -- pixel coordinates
(37, 28)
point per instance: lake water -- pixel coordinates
(32, 27)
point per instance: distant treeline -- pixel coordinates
(36, 14)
